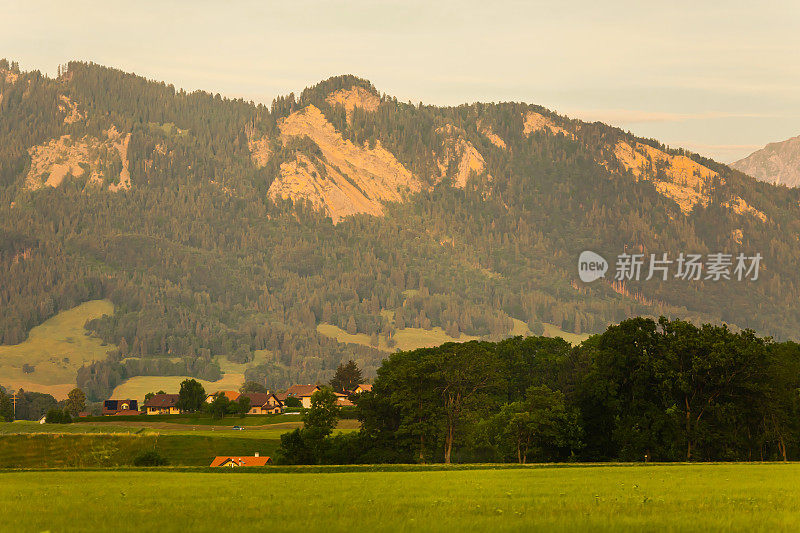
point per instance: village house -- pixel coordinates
(234, 462)
(232, 395)
(263, 403)
(162, 404)
(120, 407)
(302, 393)
(342, 400)
(363, 387)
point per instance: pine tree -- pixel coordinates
(347, 377)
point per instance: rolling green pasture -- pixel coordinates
(117, 443)
(702, 497)
(54, 450)
(195, 420)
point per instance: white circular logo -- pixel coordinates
(591, 266)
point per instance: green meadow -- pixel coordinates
(56, 349)
(116, 443)
(192, 419)
(680, 497)
(54, 450)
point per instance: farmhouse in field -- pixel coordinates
(120, 407)
(162, 404)
(263, 403)
(234, 462)
(302, 393)
(232, 395)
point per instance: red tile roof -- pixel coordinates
(224, 460)
(365, 386)
(232, 395)
(299, 391)
(259, 399)
(163, 400)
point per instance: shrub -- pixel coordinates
(58, 416)
(150, 458)
(291, 401)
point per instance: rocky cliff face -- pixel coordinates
(777, 163)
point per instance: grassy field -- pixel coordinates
(118, 442)
(573, 338)
(57, 349)
(119, 449)
(194, 419)
(735, 497)
(413, 338)
(135, 388)
(407, 338)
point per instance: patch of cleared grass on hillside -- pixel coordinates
(413, 338)
(407, 338)
(135, 388)
(57, 349)
(521, 328)
(735, 497)
(229, 367)
(335, 332)
(573, 338)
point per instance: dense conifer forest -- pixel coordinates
(200, 262)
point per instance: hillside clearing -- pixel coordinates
(406, 338)
(136, 387)
(56, 349)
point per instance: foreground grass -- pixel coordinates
(731, 497)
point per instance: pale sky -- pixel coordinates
(719, 78)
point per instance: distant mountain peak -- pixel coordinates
(777, 163)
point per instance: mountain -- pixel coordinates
(341, 223)
(777, 163)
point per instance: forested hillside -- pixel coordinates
(219, 228)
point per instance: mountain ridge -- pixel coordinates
(777, 163)
(243, 227)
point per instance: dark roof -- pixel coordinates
(301, 390)
(115, 405)
(163, 400)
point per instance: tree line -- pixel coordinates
(644, 390)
